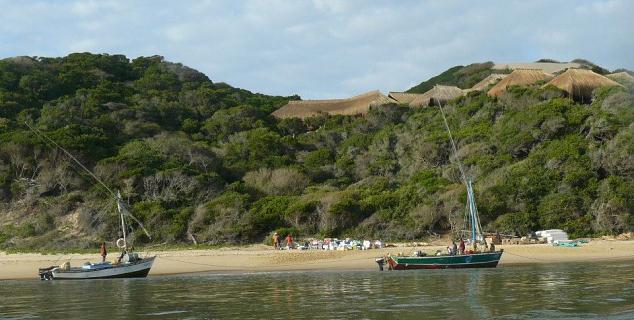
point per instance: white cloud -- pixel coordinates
(323, 48)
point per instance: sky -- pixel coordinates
(321, 48)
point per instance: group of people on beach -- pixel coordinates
(277, 243)
(460, 249)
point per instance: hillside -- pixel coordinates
(203, 159)
(463, 77)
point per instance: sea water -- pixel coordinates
(556, 291)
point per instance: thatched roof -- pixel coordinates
(491, 79)
(579, 83)
(437, 94)
(623, 78)
(351, 106)
(519, 77)
(404, 97)
(549, 67)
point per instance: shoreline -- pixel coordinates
(260, 258)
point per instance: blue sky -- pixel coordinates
(321, 48)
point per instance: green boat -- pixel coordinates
(474, 260)
(471, 258)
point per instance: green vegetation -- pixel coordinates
(463, 77)
(202, 160)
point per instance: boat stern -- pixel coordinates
(46, 273)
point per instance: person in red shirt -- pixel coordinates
(289, 241)
(462, 246)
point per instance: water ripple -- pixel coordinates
(566, 291)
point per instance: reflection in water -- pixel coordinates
(473, 296)
(539, 291)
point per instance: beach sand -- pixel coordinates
(260, 258)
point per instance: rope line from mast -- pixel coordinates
(70, 155)
(623, 257)
(475, 221)
(117, 196)
(453, 143)
(273, 265)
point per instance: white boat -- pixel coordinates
(128, 265)
(132, 269)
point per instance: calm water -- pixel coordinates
(565, 291)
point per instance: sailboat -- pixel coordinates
(128, 265)
(471, 258)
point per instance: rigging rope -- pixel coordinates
(557, 261)
(70, 155)
(471, 198)
(369, 259)
(453, 143)
(117, 196)
(273, 265)
(530, 258)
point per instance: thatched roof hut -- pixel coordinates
(519, 77)
(351, 106)
(404, 97)
(623, 78)
(579, 83)
(491, 79)
(549, 67)
(437, 94)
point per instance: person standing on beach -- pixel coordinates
(276, 241)
(289, 241)
(462, 246)
(103, 251)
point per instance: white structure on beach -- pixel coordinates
(552, 235)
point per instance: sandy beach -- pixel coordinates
(260, 258)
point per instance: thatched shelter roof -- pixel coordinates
(351, 106)
(437, 94)
(404, 97)
(549, 67)
(579, 83)
(519, 77)
(623, 78)
(491, 79)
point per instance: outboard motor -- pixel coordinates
(46, 273)
(380, 262)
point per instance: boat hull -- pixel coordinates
(139, 269)
(476, 260)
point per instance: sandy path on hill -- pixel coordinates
(259, 258)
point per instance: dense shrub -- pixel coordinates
(198, 160)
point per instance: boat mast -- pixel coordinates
(476, 229)
(120, 209)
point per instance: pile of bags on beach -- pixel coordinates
(337, 244)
